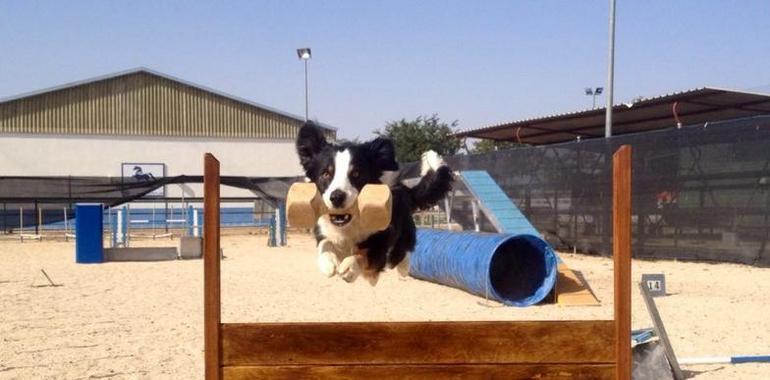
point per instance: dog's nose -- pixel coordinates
(337, 197)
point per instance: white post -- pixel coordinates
(66, 238)
(195, 222)
(119, 227)
(475, 216)
(447, 211)
(127, 236)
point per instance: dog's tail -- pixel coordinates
(435, 182)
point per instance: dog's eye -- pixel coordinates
(354, 174)
(326, 174)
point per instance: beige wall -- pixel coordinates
(50, 155)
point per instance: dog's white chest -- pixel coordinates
(345, 238)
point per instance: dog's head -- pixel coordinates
(341, 171)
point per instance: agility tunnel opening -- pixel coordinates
(517, 270)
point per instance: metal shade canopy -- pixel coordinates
(695, 106)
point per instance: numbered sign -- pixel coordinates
(656, 283)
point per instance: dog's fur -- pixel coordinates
(340, 172)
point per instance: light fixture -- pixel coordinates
(594, 92)
(304, 54)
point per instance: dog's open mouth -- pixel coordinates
(340, 220)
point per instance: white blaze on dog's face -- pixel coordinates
(341, 194)
(341, 171)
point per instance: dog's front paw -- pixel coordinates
(430, 160)
(349, 269)
(328, 263)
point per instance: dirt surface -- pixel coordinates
(145, 320)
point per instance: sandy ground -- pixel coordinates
(145, 320)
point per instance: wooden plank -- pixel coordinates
(211, 293)
(571, 290)
(621, 250)
(418, 343)
(386, 372)
(660, 331)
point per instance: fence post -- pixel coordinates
(37, 219)
(271, 232)
(66, 238)
(282, 222)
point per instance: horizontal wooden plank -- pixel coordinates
(418, 343)
(386, 372)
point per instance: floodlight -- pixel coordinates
(304, 54)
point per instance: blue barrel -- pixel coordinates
(517, 270)
(88, 233)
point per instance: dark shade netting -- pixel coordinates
(701, 192)
(44, 197)
(113, 191)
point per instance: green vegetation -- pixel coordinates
(413, 137)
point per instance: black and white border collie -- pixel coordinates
(340, 171)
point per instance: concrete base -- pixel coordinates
(190, 247)
(140, 254)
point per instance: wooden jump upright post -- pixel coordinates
(595, 349)
(621, 252)
(212, 323)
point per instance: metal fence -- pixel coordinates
(700, 192)
(33, 219)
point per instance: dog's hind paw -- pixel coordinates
(372, 277)
(349, 269)
(430, 160)
(327, 263)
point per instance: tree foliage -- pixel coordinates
(413, 137)
(486, 146)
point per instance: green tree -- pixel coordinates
(413, 137)
(486, 146)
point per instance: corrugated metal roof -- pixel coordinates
(162, 75)
(694, 106)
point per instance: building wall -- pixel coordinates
(53, 155)
(143, 104)
(90, 128)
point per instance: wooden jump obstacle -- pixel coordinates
(590, 349)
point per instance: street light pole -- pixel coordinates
(306, 97)
(610, 73)
(305, 55)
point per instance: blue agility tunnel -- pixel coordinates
(517, 270)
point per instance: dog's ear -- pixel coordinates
(310, 141)
(382, 153)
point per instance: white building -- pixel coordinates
(109, 125)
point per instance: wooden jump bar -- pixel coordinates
(364, 343)
(416, 350)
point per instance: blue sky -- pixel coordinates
(479, 62)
